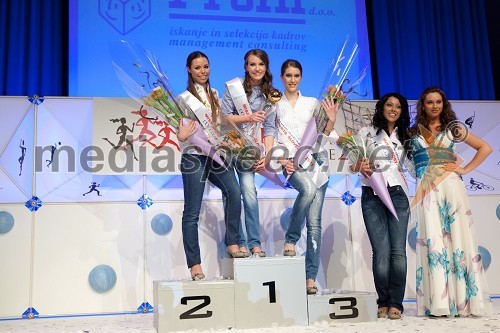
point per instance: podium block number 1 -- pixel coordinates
(272, 290)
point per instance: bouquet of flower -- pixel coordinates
(143, 79)
(234, 143)
(354, 148)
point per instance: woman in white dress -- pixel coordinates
(450, 276)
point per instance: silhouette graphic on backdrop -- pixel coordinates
(146, 135)
(122, 130)
(469, 121)
(21, 158)
(52, 151)
(166, 130)
(93, 188)
(474, 185)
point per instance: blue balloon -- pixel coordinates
(498, 212)
(485, 256)
(6, 222)
(412, 239)
(102, 278)
(285, 219)
(161, 224)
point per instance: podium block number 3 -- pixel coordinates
(190, 313)
(272, 290)
(354, 312)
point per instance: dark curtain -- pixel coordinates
(413, 44)
(34, 47)
(418, 43)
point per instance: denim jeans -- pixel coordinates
(195, 170)
(250, 206)
(388, 240)
(308, 205)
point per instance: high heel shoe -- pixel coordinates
(289, 252)
(198, 276)
(235, 254)
(382, 312)
(259, 253)
(245, 252)
(394, 314)
(312, 290)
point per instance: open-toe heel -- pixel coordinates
(260, 253)
(236, 254)
(312, 290)
(198, 276)
(382, 312)
(394, 314)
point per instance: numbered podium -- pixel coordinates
(342, 305)
(185, 305)
(265, 292)
(270, 292)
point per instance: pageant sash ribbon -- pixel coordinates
(242, 106)
(203, 115)
(395, 160)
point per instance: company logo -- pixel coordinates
(125, 15)
(264, 11)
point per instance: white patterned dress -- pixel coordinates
(450, 276)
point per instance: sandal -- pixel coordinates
(245, 252)
(382, 312)
(259, 253)
(312, 290)
(198, 276)
(236, 254)
(394, 314)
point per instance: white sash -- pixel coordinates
(203, 115)
(395, 160)
(318, 177)
(242, 106)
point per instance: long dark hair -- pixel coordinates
(267, 81)
(446, 116)
(214, 102)
(403, 123)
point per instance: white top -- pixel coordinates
(387, 152)
(204, 99)
(295, 120)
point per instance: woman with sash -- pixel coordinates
(293, 113)
(384, 142)
(451, 279)
(196, 168)
(243, 103)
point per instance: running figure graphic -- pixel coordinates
(122, 130)
(146, 135)
(52, 151)
(166, 130)
(21, 158)
(93, 188)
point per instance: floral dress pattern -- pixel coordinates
(450, 278)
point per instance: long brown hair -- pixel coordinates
(445, 118)
(214, 101)
(267, 81)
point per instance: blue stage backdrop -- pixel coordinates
(310, 31)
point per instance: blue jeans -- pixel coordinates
(195, 170)
(250, 206)
(308, 205)
(388, 239)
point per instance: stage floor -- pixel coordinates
(143, 323)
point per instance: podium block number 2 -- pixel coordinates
(189, 314)
(354, 312)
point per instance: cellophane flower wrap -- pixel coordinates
(354, 148)
(235, 143)
(143, 79)
(339, 82)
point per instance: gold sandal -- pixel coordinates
(382, 312)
